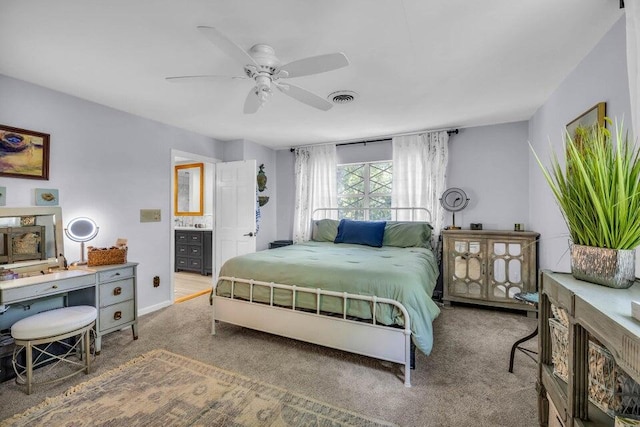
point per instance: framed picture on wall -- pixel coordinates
(46, 197)
(587, 119)
(24, 153)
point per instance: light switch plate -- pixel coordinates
(150, 215)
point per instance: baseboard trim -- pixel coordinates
(152, 308)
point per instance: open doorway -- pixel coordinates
(192, 225)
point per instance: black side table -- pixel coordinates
(280, 243)
(531, 298)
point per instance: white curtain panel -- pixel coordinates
(419, 175)
(632, 12)
(316, 186)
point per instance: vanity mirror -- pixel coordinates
(188, 189)
(31, 238)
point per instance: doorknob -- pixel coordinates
(250, 234)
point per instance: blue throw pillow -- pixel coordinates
(368, 233)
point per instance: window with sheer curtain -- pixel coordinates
(315, 171)
(365, 185)
(419, 174)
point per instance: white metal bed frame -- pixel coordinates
(383, 342)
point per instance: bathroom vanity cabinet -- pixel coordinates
(193, 251)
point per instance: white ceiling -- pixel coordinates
(416, 64)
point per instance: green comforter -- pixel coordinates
(407, 275)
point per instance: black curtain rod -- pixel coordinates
(449, 132)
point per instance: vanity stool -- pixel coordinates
(36, 334)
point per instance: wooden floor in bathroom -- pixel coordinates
(187, 284)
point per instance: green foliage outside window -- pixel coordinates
(365, 185)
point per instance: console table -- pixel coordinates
(603, 312)
(110, 288)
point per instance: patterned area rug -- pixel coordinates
(160, 388)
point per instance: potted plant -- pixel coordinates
(598, 191)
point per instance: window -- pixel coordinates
(365, 185)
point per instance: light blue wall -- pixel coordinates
(601, 76)
(107, 165)
(490, 164)
(286, 182)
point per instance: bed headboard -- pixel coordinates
(365, 214)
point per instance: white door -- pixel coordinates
(235, 210)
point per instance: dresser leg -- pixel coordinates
(98, 343)
(134, 329)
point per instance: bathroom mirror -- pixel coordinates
(188, 189)
(31, 238)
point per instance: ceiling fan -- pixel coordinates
(261, 64)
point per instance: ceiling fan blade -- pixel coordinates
(316, 64)
(252, 103)
(227, 46)
(181, 79)
(304, 96)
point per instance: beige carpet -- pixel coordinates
(464, 382)
(161, 388)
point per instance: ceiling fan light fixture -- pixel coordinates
(342, 96)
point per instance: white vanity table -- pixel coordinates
(111, 288)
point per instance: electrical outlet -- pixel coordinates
(156, 281)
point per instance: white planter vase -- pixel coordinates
(614, 268)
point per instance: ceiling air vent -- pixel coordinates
(342, 96)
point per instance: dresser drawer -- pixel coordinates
(189, 237)
(29, 288)
(115, 274)
(117, 314)
(114, 292)
(194, 263)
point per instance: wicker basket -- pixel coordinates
(26, 244)
(559, 349)
(560, 314)
(610, 388)
(106, 256)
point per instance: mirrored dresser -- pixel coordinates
(489, 267)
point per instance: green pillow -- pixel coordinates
(325, 230)
(407, 234)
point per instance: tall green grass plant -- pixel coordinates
(598, 189)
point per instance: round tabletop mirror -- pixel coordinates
(81, 230)
(454, 200)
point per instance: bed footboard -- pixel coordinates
(369, 339)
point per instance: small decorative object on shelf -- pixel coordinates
(262, 179)
(262, 185)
